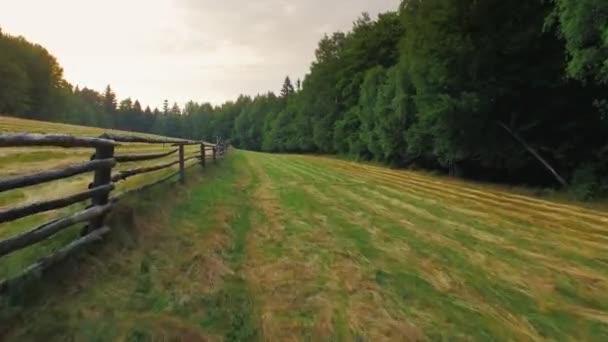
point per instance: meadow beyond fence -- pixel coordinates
(105, 178)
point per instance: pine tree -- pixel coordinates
(137, 107)
(109, 100)
(175, 109)
(166, 107)
(287, 88)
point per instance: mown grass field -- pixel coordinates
(363, 252)
(303, 248)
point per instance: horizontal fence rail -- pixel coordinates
(47, 176)
(56, 140)
(39, 207)
(49, 229)
(103, 183)
(142, 157)
(122, 175)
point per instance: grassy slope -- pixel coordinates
(307, 248)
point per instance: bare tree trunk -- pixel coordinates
(532, 151)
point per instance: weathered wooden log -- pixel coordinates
(194, 143)
(189, 143)
(102, 177)
(203, 151)
(39, 207)
(46, 176)
(191, 158)
(138, 139)
(182, 171)
(118, 197)
(142, 157)
(49, 229)
(57, 140)
(122, 175)
(38, 268)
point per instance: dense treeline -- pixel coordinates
(32, 86)
(511, 91)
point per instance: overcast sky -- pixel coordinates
(204, 50)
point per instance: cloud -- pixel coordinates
(281, 35)
(183, 49)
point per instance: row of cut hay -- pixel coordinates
(529, 207)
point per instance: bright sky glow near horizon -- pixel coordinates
(180, 50)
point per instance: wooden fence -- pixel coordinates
(102, 163)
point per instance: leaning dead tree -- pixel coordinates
(534, 153)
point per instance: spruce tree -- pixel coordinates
(109, 100)
(287, 88)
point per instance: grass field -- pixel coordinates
(303, 248)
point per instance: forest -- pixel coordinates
(503, 91)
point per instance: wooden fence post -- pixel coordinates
(203, 155)
(214, 154)
(182, 169)
(103, 176)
